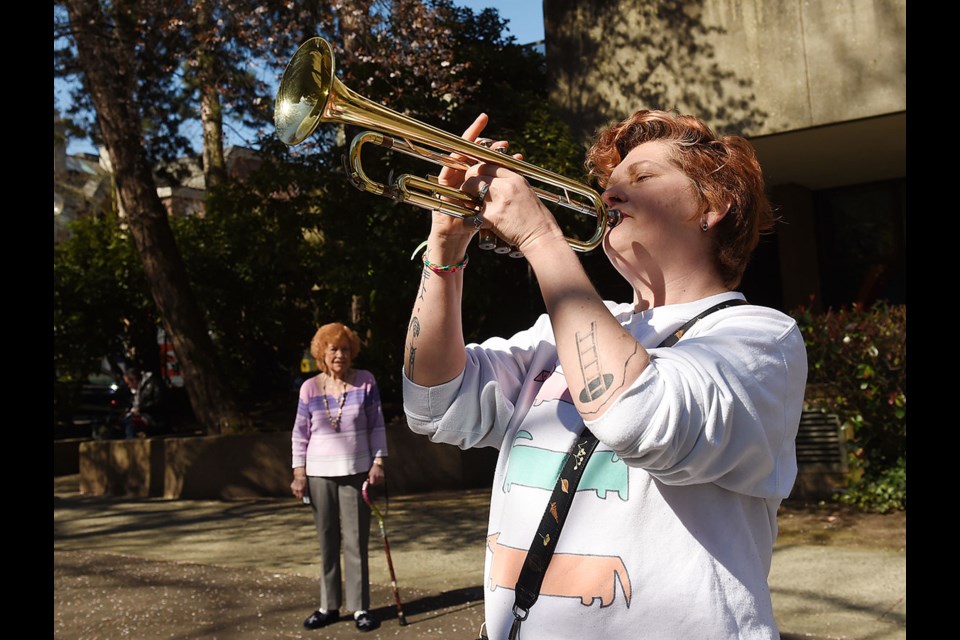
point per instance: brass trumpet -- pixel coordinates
(310, 93)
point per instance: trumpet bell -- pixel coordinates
(304, 91)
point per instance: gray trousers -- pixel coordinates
(341, 515)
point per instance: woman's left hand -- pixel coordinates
(511, 207)
(449, 235)
(375, 475)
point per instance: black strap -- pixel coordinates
(535, 565)
(527, 590)
(674, 337)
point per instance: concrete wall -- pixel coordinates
(258, 465)
(817, 482)
(815, 62)
(66, 456)
(757, 66)
(129, 468)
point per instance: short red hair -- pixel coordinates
(333, 333)
(724, 170)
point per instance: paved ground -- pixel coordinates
(247, 570)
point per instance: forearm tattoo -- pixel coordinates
(423, 283)
(412, 356)
(595, 381)
(414, 330)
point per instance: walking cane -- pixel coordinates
(386, 547)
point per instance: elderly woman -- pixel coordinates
(694, 440)
(339, 442)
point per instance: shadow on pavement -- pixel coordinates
(472, 596)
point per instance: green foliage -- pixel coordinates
(294, 244)
(857, 370)
(884, 493)
(175, 47)
(252, 265)
(101, 305)
(364, 268)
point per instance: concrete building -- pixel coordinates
(819, 86)
(83, 183)
(184, 194)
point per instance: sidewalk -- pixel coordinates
(247, 570)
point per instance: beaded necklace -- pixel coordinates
(334, 422)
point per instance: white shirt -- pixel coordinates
(671, 532)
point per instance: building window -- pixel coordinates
(861, 239)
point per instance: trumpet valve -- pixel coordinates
(487, 240)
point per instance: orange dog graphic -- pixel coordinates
(569, 575)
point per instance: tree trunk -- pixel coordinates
(214, 165)
(110, 79)
(211, 112)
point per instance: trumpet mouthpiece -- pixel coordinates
(613, 217)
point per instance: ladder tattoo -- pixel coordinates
(595, 381)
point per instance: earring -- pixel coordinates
(703, 225)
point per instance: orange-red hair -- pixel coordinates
(724, 170)
(333, 333)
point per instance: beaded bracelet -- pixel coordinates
(446, 268)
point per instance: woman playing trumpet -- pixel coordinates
(672, 534)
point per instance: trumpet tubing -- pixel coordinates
(310, 93)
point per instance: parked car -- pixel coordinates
(93, 410)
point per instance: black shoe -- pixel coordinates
(319, 618)
(366, 622)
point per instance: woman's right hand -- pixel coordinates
(299, 484)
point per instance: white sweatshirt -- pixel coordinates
(671, 532)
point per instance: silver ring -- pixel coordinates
(482, 193)
(477, 222)
(485, 142)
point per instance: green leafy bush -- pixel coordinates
(101, 306)
(857, 369)
(887, 492)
